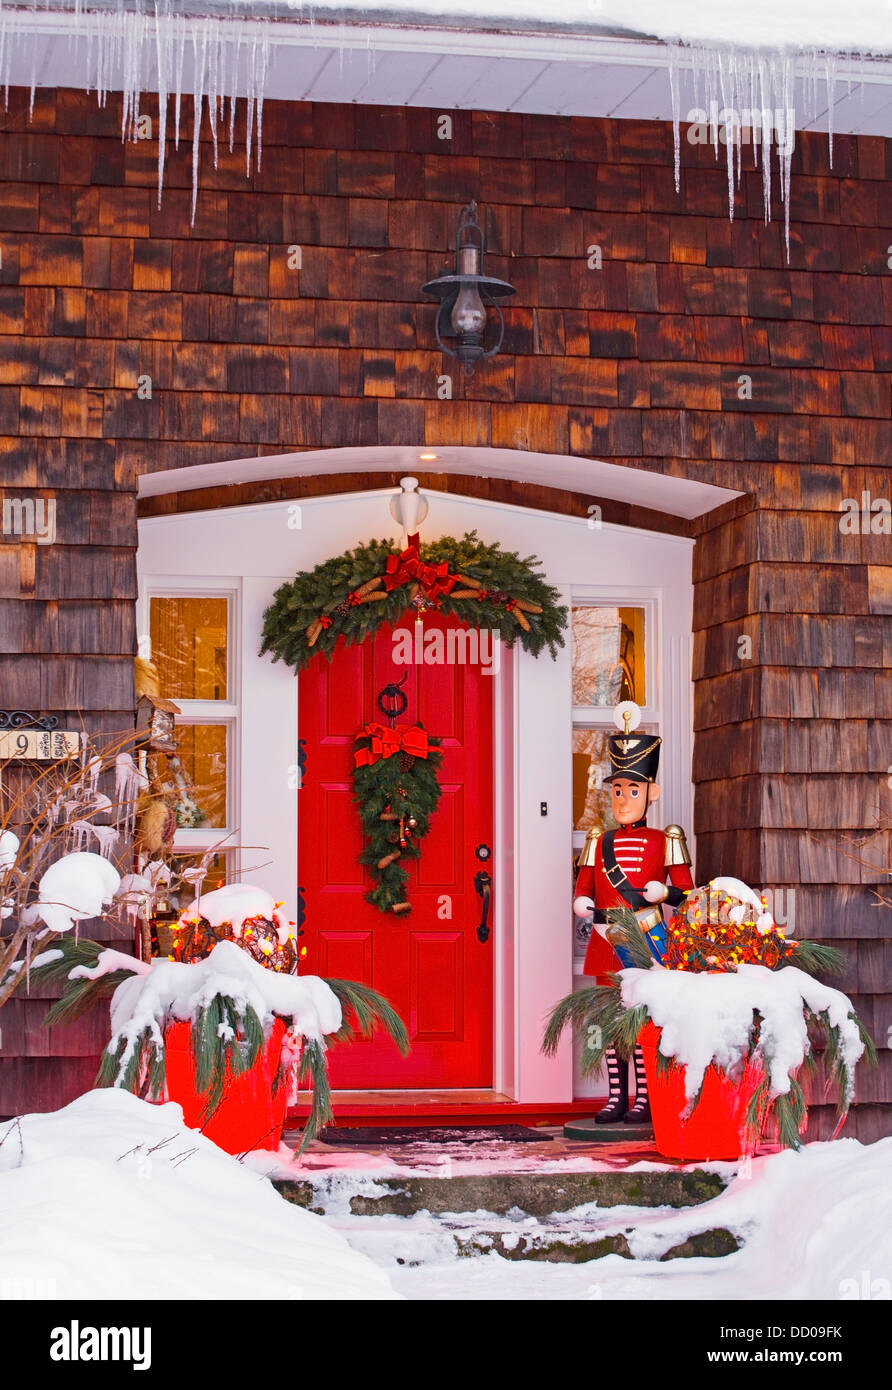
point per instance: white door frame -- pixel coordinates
(532, 937)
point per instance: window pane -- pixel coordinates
(199, 771)
(189, 646)
(608, 655)
(591, 801)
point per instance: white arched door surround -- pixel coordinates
(248, 551)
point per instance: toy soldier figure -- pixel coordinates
(628, 867)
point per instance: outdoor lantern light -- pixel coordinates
(464, 296)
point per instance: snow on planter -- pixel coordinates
(243, 913)
(237, 903)
(168, 990)
(224, 1034)
(708, 1018)
(733, 994)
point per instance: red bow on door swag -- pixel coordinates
(384, 742)
(396, 789)
(408, 567)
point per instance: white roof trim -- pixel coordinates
(591, 72)
(591, 477)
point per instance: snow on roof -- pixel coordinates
(863, 26)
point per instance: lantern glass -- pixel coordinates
(468, 313)
(162, 730)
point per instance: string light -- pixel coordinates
(259, 936)
(702, 935)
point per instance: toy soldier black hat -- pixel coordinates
(632, 755)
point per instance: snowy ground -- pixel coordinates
(114, 1198)
(817, 1225)
(813, 1225)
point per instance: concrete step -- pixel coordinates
(536, 1194)
(578, 1245)
(416, 1220)
(560, 1218)
(556, 1200)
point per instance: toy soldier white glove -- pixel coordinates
(655, 892)
(583, 907)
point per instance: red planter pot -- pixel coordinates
(717, 1128)
(249, 1115)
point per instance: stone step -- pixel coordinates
(556, 1200)
(535, 1194)
(387, 1231)
(578, 1246)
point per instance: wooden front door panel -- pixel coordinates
(429, 963)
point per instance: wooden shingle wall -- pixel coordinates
(792, 744)
(641, 362)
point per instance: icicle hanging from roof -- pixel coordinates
(146, 45)
(749, 94)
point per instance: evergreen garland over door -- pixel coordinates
(432, 967)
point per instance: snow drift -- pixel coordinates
(814, 1225)
(114, 1198)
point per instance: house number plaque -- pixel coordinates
(35, 738)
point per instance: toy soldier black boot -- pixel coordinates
(618, 1097)
(640, 1111)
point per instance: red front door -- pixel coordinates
(429, 963)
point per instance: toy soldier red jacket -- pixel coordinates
(643, 855)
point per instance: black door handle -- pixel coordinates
(483, 885)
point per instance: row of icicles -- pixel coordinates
(148, 46)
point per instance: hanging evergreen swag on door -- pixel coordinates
(396, 790)
(352, 594)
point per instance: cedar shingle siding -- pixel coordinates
(637, 363)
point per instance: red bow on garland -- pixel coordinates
(405, 738)
(400, 569)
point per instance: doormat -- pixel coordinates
(439, 1135)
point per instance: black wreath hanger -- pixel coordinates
(393, 700)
